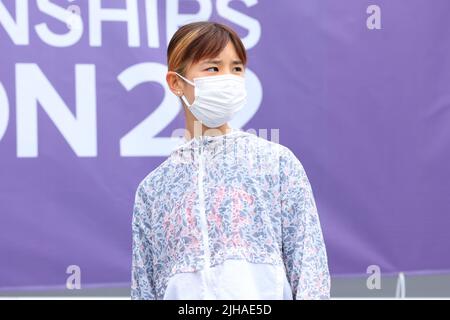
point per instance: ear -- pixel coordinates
(175, 84)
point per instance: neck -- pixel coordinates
(195, 128)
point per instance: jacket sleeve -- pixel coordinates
(304, 252)
(142, 284)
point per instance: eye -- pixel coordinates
(238, 69)
(212, 68)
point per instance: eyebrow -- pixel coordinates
(219, 62)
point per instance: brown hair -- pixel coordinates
(201, 40)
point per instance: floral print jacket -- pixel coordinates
(228, 217)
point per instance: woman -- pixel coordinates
(228, 215)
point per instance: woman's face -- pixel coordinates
(227, 62)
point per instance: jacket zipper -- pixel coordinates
(204, 222)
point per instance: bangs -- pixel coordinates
(210, 45)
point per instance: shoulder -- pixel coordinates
(149, 184)
(264, 146)
(282, 152)
(289, 163)
(271, 152)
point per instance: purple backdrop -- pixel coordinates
(361, 94)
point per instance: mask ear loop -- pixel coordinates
(183, 97)
(187, 80)
(185, 101)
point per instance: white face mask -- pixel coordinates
(217, 98)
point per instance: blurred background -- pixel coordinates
(359, 91)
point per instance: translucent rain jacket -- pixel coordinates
(228, 217)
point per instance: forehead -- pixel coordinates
(228, 54)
